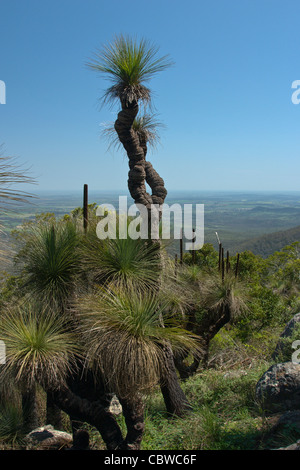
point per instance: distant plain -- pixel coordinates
(238, 217)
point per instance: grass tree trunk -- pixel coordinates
(206, 331)
(141, 172)
(96, 413)
(29, 408)
(93, 413)
(133, 411)
(135, 153)
(53, 413)
(174, 397)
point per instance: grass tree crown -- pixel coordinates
(128, 63)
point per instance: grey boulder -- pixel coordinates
(278, 389)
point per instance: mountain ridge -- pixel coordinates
(266, 245)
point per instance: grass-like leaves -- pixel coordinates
(122, 261)
(128, 64)
(39, 345)
(125, 337)
(50, 260)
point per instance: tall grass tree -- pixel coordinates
(40, 349)
(49, 261)
(127, 344)
(129, 64)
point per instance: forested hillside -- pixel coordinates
(265, 245)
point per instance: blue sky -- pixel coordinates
(226, 102)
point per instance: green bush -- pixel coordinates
(11, 424)
(285, 349)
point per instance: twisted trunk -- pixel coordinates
(96, 413)
(135, 152)
(141, 171)
(93, 413)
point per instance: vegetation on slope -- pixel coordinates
(238, 352)
(266, 245)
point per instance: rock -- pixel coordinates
(295, 446)
(286, 334)
(279, 388)
(48, 438)
(115, 406)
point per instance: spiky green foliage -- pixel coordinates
(39, 345)
(12, 174)
(219, 294)
(146, 126)
(191, 274)
(128, 63)
(181, 294)
(11, 423)
(50, 259)
(125, 337)
(121, 261)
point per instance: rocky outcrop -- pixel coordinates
(295, 446)
(278, 389)
(48, 438)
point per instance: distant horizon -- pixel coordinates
(122, 190)
(237, 216)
